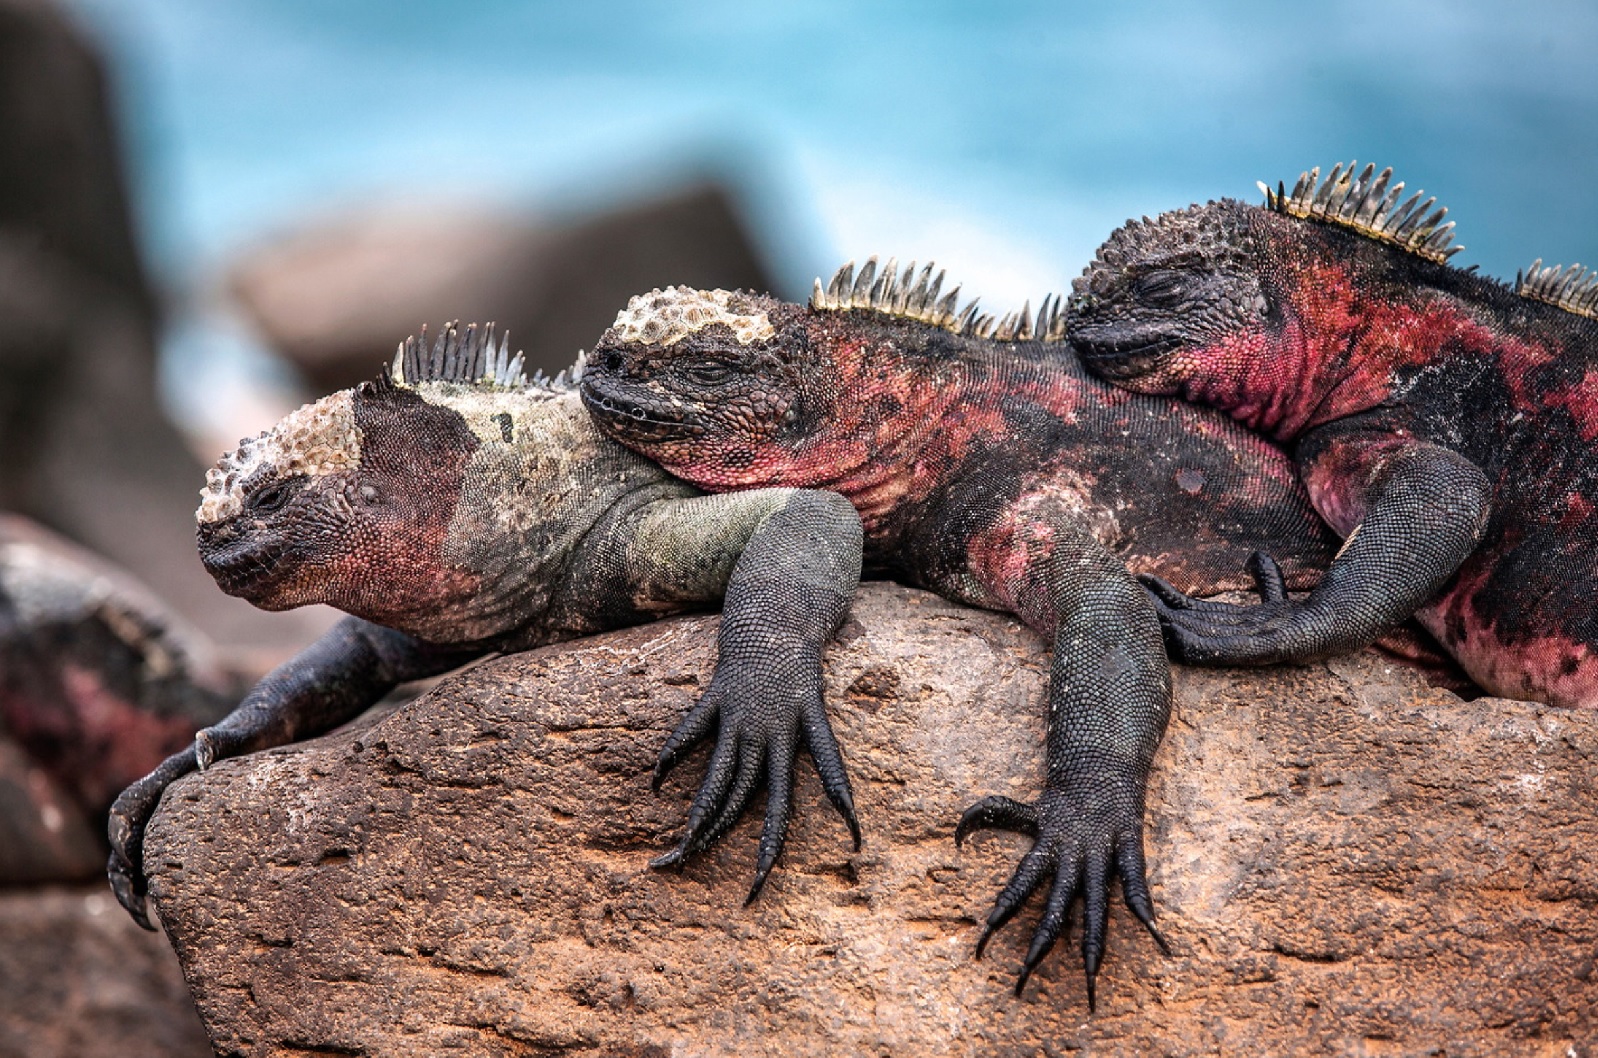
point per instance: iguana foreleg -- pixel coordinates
(334, 679)
(794, 561)
(1109, 701)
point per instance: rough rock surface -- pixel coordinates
(79, 980)
(1345, 861)
(334, 296)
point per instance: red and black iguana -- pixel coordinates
(988, 466)
(1445, 424)
(456, 510)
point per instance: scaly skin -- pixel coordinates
(1443, 424)
(997, 473)
(455, 510)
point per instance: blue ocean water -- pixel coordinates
(1006, 140)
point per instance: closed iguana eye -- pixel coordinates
(709, 372)
(1163, 289)
(272, 498)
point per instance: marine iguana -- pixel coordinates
(455, 509)
(988, 466)
(1443, 422)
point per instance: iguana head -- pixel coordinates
(348, 501)
(1160, 292)
(707, 382)
(735, 390)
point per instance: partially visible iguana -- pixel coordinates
(1443, 422)
(989, 467)
(456, 510)
(99, 680)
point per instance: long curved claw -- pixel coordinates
(694, 729)
(1082, 838)
(1051, 925)
(712, 794)
(823, 747)
(1133, 870)
(779, 808)
(129, 890)
(997, 813)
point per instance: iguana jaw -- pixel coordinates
(650, 419)
(249, 569)
(1127, 354)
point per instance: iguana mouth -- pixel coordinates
(1116, 356)
(247, 571)
(639, 420)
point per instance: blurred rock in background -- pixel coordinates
(99, 681)
(88, 451)
(337, 295)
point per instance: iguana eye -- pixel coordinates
(1164, 289)
(709, 373)
(272, 498)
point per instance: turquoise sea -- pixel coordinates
(1006, 140)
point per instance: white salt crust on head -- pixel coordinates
(663, 317)
(316, 440)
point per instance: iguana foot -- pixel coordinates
(125, 826)
(761, 723)
(1081, 843)
(1204, 632)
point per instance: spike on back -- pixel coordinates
(1574, 289)
(916, 296)
(469, 356)
(1368, 204)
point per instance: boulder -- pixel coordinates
(1344, 860)
(335, 296)
(80, 980)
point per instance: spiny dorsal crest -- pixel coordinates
(1574, 289)
(1368, 206)
(469, 356)
(916, 297)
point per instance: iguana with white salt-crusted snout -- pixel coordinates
(455, 509)
(988, 466)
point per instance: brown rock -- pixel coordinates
(79, 980)
(335, 297)
(1344, 860)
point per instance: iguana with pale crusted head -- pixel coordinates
(987, 466)
(1444, 423)
(455, 509)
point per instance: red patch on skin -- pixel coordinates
(1581, 401)
(1548, 668)
(1339, 353)
(1578, 513)
(1008, 560)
